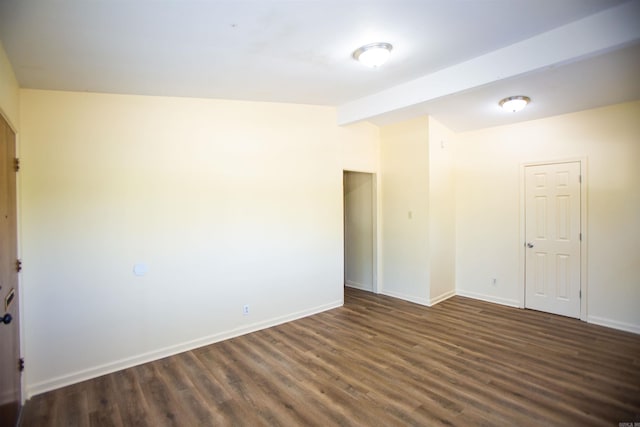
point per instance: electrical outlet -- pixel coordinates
(245, 309)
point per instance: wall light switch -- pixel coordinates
(410, 215)
(140, 269)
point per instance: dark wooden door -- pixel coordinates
(10, 387)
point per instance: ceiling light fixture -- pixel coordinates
(373, 54)
(514, 103)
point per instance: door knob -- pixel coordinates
(529, 245)
(6, 319)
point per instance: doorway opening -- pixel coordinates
(360, 231)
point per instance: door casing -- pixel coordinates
(583, 230)
(10, 280)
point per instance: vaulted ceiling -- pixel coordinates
(453, 59)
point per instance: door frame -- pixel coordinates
(20, 302)
(376, 229)
(583, 230)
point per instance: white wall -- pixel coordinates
(228, 203)
(363, 155)
(487, 206)
(404, 164)
(359, 233)
(441, 212)
(418, 205)
(236, 202)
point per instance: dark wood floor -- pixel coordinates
(377, 361)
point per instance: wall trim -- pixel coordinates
(615, 324)
(442, 297)
(410, 298)
(128, 362)
(357, 285)
(489, 298)
(600, 321)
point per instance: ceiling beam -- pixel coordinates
(602, 32)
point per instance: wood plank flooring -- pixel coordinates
(377, 361)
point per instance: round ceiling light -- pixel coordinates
(373, 54)
(514, 103)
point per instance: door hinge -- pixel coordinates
(581, 237)
(21, 364)
(18, 265)
(580, 179)
(16, 164)
(580, 293)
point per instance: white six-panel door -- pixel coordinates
(552, 232)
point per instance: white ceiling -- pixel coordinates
(299, 51)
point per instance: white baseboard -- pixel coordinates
(410, 298)
(602, 321)
(128, 362)
(357, 285)
(488, 298)
(442, 297)
(622, 326)
(96, 371)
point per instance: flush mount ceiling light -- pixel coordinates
(514, 103)
(373, 54)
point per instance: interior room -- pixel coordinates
(181, 175)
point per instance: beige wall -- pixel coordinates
(488, 241)
(232, 203)
(404, 164)
(227, 203)
(418, 211)
(9, 91)
(441, 212)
